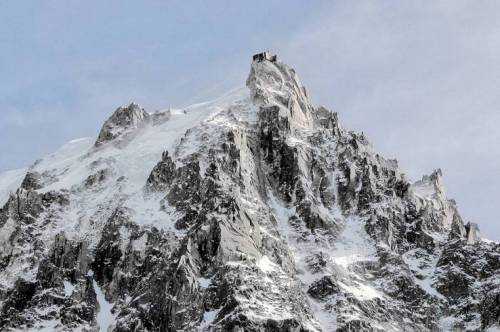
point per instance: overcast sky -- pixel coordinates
(420, 78)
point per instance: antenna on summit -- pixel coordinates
(259, 57)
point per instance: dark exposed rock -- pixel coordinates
(70, 257)
(18, 298)
(490, 308)
(311, 218)
(97, 178)
(317, 262)
(31, 181)
(458, 230)
(323, 287)
(55, 197)
(162, 175)
(473, 235)
(185, 190)
(108, 252)
(25, 206)
(83, 305)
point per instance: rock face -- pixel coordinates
(255, 212)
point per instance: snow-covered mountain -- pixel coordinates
(254, 212)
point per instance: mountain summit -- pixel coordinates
(254, 212)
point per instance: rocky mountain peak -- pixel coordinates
(123, 120)
(274, 85)
(254, 212)
(431, 185)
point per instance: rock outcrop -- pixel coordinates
(124, 120)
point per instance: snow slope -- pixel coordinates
(9, 182)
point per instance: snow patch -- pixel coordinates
(424, 266)
(266, 265)
(353, 244)
(124, 238)
(208, 318)
(361, 291)
(204, 282)
(105, 318)
(68, 288)
(139, 245)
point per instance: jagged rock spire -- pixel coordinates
(274, 84)
(473, 234)
(123, 120)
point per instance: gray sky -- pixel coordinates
(420, 78)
